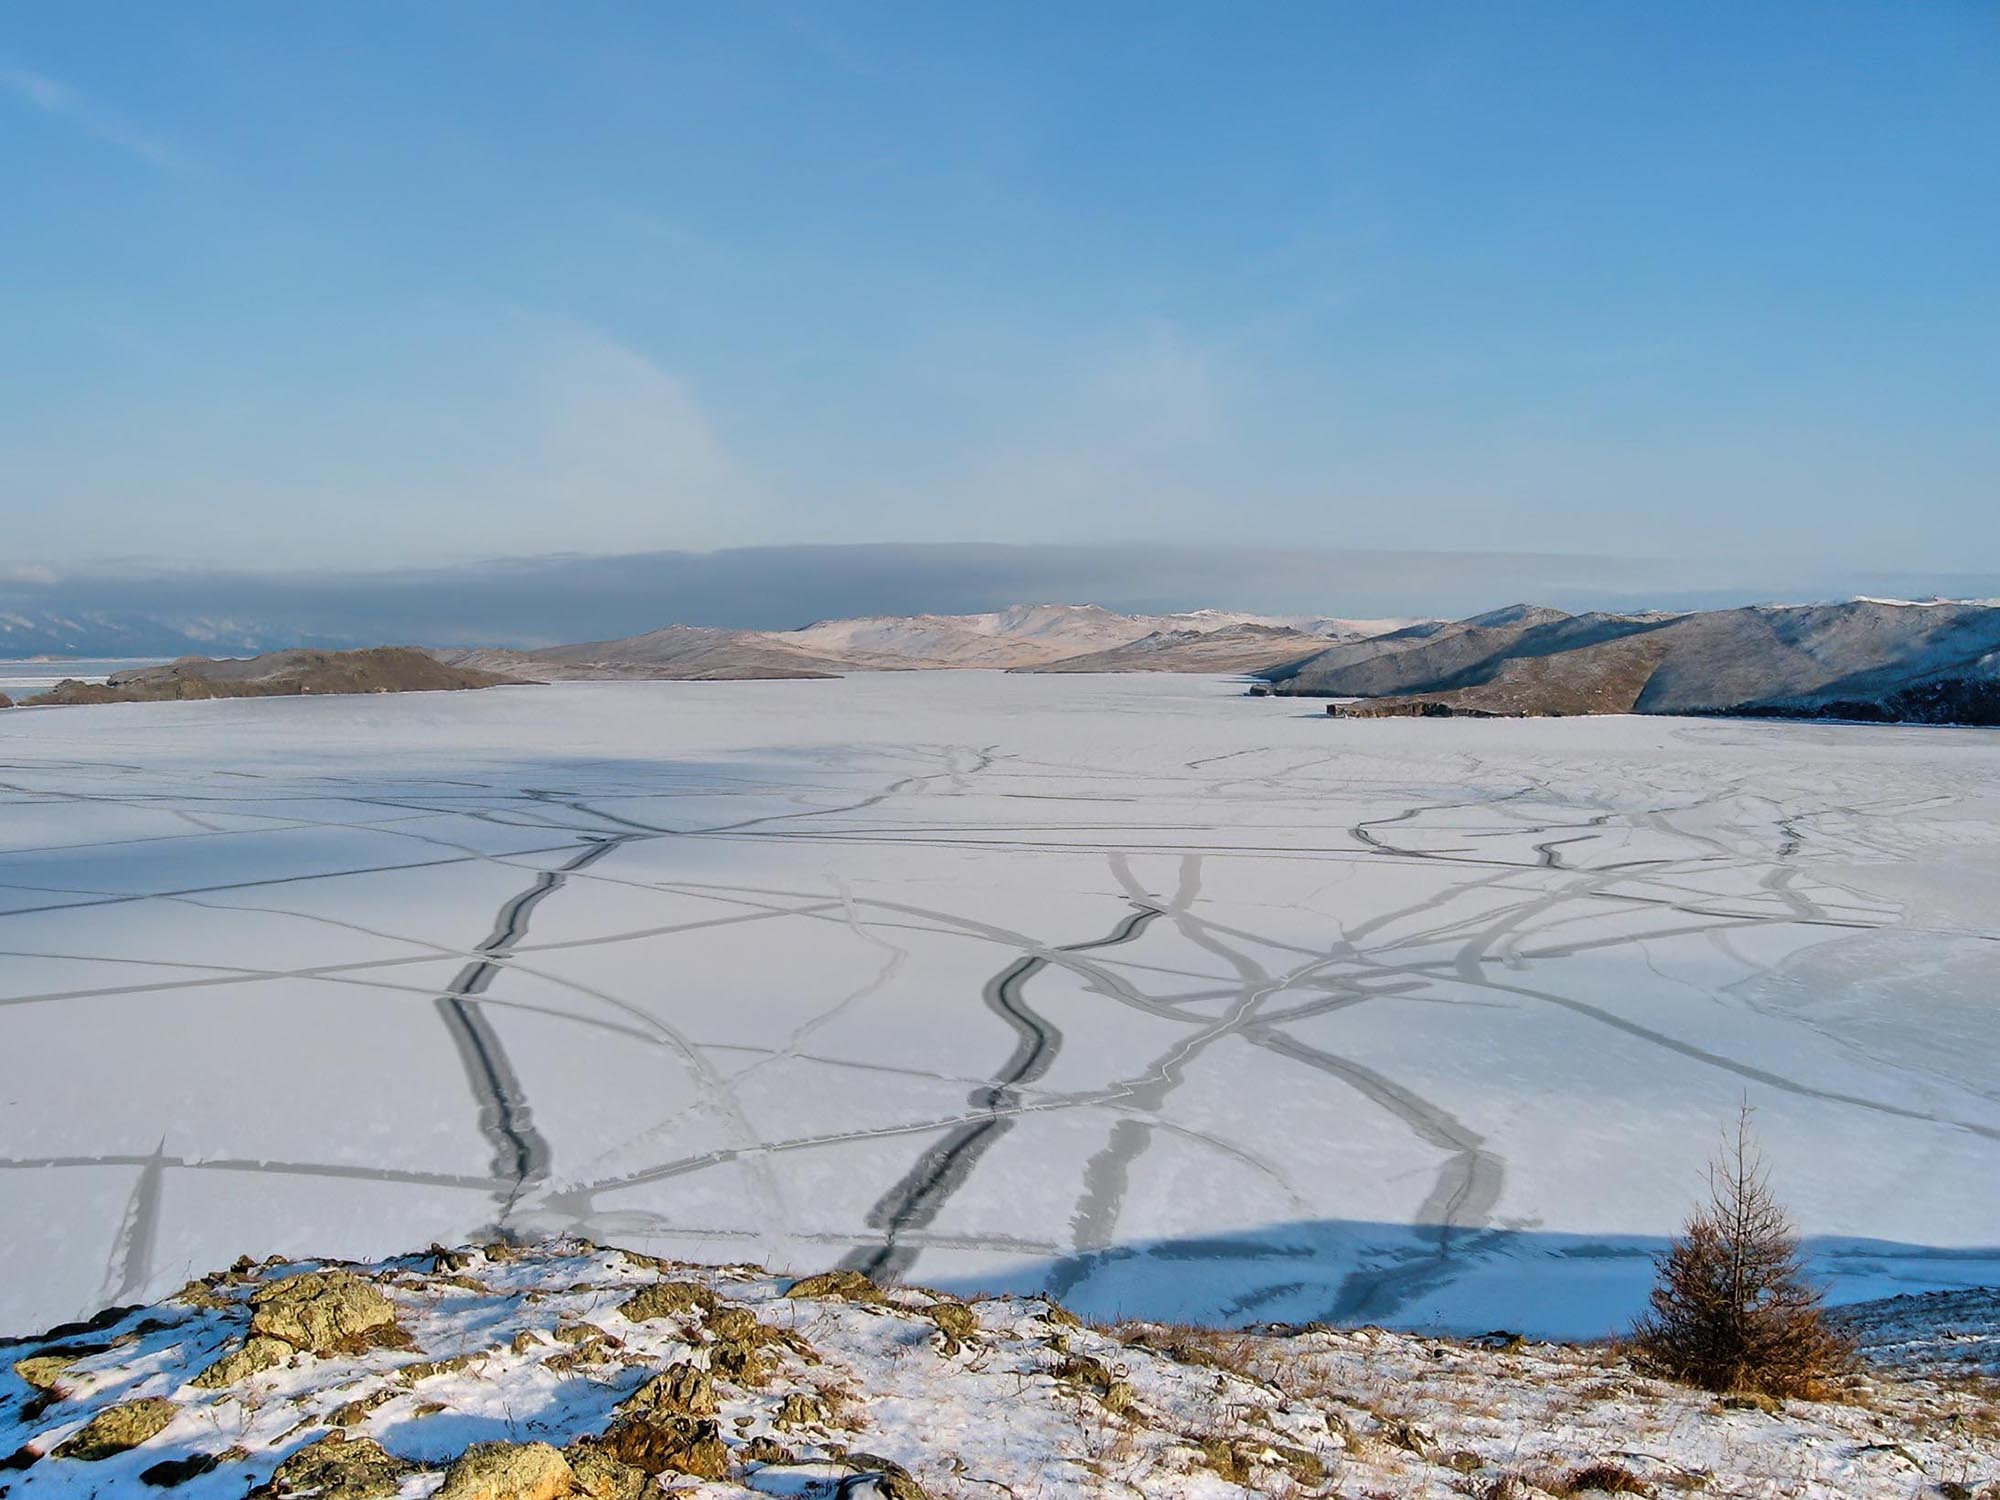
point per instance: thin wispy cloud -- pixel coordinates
(54, 97)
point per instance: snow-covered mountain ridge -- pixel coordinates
(1032, 634)
(564, 1369)
(1870, 659)
(1021, 637)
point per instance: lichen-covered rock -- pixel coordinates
(868, 1478)
(846, 1286)
(338, 1467)
(508, 1471)
(257, 1355)
(1054, 1312)
(43, 1372)
(734, 1323)
(603, 1477)
(662, 1442)
(1410, 1438)
(1095, 1376)
(325, 1312)
(800, 1409)
(119, 1428)
(680, 1388)
(354, 1413)
(425, 1369)
(649, 1262)
(955, 1323)
(891, 1480)
(200, 1294)
(766, 1450)
(669, 1299)
(737, 1345)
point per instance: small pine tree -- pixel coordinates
(1732, 1309)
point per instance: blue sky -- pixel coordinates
(357, 284)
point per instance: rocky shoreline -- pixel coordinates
(506, 1373)
(279, 674)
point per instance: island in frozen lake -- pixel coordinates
(1172, 1003)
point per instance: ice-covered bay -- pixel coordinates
(1180, 1003)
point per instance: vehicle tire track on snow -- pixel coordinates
(922, 1193)
(520, 1154)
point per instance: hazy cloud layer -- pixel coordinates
(545, 600)
(64, 102)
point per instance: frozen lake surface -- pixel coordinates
(1175, 1002)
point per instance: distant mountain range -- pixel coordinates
(1879, 659)
(1874, 659)
(1241, 646)
(27, 632)
(141, 609)
(1024, 637)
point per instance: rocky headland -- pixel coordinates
(382, 669)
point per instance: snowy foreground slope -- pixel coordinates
(564, 1369)
(1176, 1003)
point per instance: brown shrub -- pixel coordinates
(1732, 1309)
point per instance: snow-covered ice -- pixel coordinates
(1181, 1004)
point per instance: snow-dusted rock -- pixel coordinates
(507, 1396)
(508, 1471)
(321, 1312)
(118, 1428)
(338, 1467)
